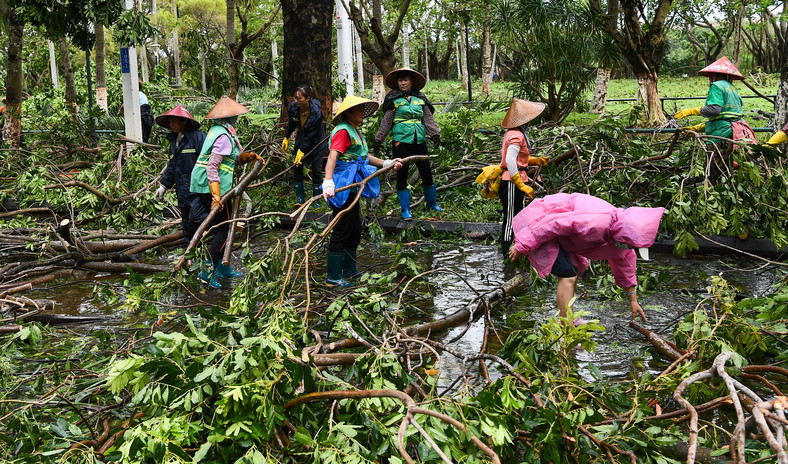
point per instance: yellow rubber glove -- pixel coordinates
(216, 192)
(537, 161)
(778, 138)
(696, 128)
(298, 156)
(687, 112)
(285, 144)
(518, 182)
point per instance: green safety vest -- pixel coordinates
(199, 181)
(358, 146)
(408, 126)
(723, 93)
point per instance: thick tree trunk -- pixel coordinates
(600, 89)
(648, 96)
(68, 75)
(230, 37)
(306, 50)
(12, 130)
(486, 51)
(101, 75)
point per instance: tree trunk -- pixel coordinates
(306, 50)
(230, 37)
(600, 89)
(381, 50)
(12, 130)
(463, 57)
(737, 37)
(486, 51)
(204, 84)
(101, 75)
(68, 75)
(648, 96)
(781, 102)
(176, 47)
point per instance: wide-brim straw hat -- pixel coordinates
(226, 107)
(418, 81)
(178, 112)
(351, 101)
(721, 66)
(521, 112)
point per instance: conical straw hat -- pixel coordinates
(721, 66)
(350, 101)
(178, 112)
(521, 112)
(417, 80)
(226, 107)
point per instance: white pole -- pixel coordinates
(131, 88)
(359, 62)
(492, 68)
(344, 47)
(53, 65)
(426, 55)
(274, 56)
(406, 46)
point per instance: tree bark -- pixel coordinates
(600, 89)
(306, 50)
(643, 49)
(230, 37)
(486, 51)
(68, 75)
(237, 46)
(781, 102)
(12, 130)
(101, 75)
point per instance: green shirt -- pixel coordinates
(358, 146)
(724, 94)
(408, 126)
(199, 180)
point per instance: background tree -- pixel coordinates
(12, 130)
(552, 64)
(246, 10)
(781, 103)
(379, 46)
(306, 49)
(641, 41)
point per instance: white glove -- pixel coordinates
(328, 188)
(159, 195)
(387, 163)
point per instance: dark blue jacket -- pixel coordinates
(311, 134)
(182, 160)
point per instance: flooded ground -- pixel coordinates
(462, 266)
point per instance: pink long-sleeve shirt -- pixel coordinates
(587, 228)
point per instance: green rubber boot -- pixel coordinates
(207, 277)
(299, 191)
(334, 270)
(349, 269)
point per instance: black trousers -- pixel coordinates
(347, 232)
(187, 226)
(315, 165)
(512, 200)
(403, 150)
(201, 205)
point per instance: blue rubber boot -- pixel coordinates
(431, 198)
(224, 270)
(334, 270)
(349, 269)
(299, 191)
(404, 203)
(207, 277)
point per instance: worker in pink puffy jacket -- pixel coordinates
(560, 233)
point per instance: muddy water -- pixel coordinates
(619, 351)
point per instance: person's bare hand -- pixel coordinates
(637, 310)
(514, 255)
